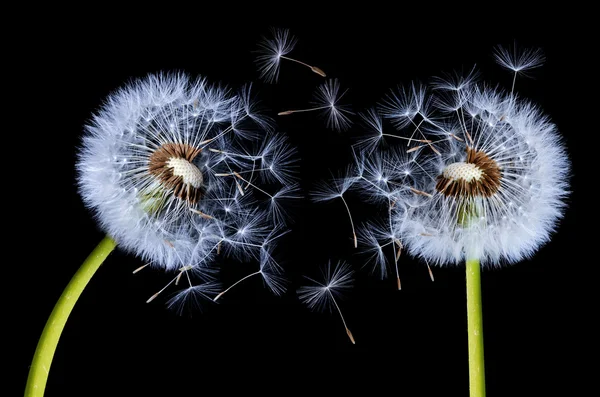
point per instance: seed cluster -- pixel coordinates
(478, 176)
(172, 164)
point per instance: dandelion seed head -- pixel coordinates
(511, 191)
(482, 173)
(171, 168)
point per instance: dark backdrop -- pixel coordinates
(409, 342)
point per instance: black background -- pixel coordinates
(409, 342)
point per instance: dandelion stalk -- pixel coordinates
(467, 215)
(475, 329)
(42, 359)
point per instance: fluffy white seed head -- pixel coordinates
(481, 173)
(174, 169)
(495, 193)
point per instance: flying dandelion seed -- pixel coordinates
(376, 176)
(272, 50)
(269, 269)
(322, 295)
(333, 190)
(519, 61)
(178, 172)
(327, 99)
(193, 296)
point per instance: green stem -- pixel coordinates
(42, 359)
(475, 329)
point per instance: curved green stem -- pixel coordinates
(42, 359)
(475, 329)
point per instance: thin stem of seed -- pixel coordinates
(205, 142)
(399, 250)
(251, 184)
(461, 116)
(407, 138)
(202, 214)
(512, 90)
(184, 269)
(140, 268)
(236, 283)
(420, 192)
(287, 112)
(313, 68)
(239, 187)
(430, 272)
(456, 137)
(342, 317)
(396, 259)
(351, 221)
(415, 130)
(163, 288)
(251, 174)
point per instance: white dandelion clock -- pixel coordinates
(321, 295)
(496, 189)
(482, 179)
(485, 180)
(274, 49)
(167, 166)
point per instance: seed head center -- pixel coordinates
(189, 172)
(172, 164)
(467, 172)
(478, 176)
